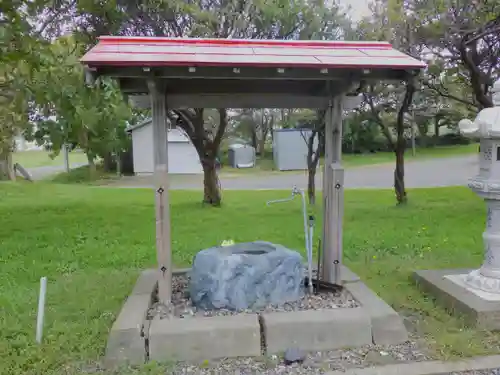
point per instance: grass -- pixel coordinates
(35, 159)
(92, 243)
(265, 164)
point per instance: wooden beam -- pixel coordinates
(230, 86)
(162, 204)
(261, 100)
(251, 73)
(333, 186)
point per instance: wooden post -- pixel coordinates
(162, 205)
(333, 186)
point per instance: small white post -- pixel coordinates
(413, 145)
(41, 309)
(66, 157)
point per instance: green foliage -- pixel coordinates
(362, 134)
(82, 175)
(463, 38)
(94, 117)
(18, 57)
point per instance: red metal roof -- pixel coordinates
(155, 51)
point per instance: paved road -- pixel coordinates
(428, 173)
(40, 173)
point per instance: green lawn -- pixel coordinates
(33, 159)
(265, 164)
(92, 242)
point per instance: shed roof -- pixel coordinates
(154, 51)
(175, 135)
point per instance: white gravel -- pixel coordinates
(315, 363)
(183, 308)
(479, 372)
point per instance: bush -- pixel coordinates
(82, 175)
(453, 139)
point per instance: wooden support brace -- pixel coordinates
(162, 204)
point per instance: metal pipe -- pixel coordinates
(306, 238)
(41, 310)
(310, 250)
(282, 200)
(308, 231)
(318, 272)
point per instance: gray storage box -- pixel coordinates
(241, 156)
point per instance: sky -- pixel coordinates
(359, 8)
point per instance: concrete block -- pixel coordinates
(348, 276)
(316, 330)
(146, 283)
(180, 271)
(469, 366)
(125, 344)
(386, 325)
(192, 339)
(125, 341)
(477, 311)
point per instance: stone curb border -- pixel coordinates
(428, 367)
(134, 340)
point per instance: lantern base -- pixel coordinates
(479, 308)
(476, 280)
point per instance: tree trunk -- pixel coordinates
(436, 127)
(193, 124)
(262, 144)
(92, 166)
(211, 191)
(469, 55)
(119, 164)
(311, 185)
(399, 149)
(6, 167)
(312, 162)
(399, 173)
(108, 162)
(254, 139)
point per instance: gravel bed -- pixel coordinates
(479, 372)
(315, 363)
(183, 308)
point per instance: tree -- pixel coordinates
(23, 25)
(17, 58)
(463, 38)
(255, 124)
(315, 148)
(70, 111)
(392, 21)
(258, 19)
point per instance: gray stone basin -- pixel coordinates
(245, 276)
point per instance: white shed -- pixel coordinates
(290, 148)
(182, 156)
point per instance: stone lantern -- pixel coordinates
(475, 293)
(486, 184)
